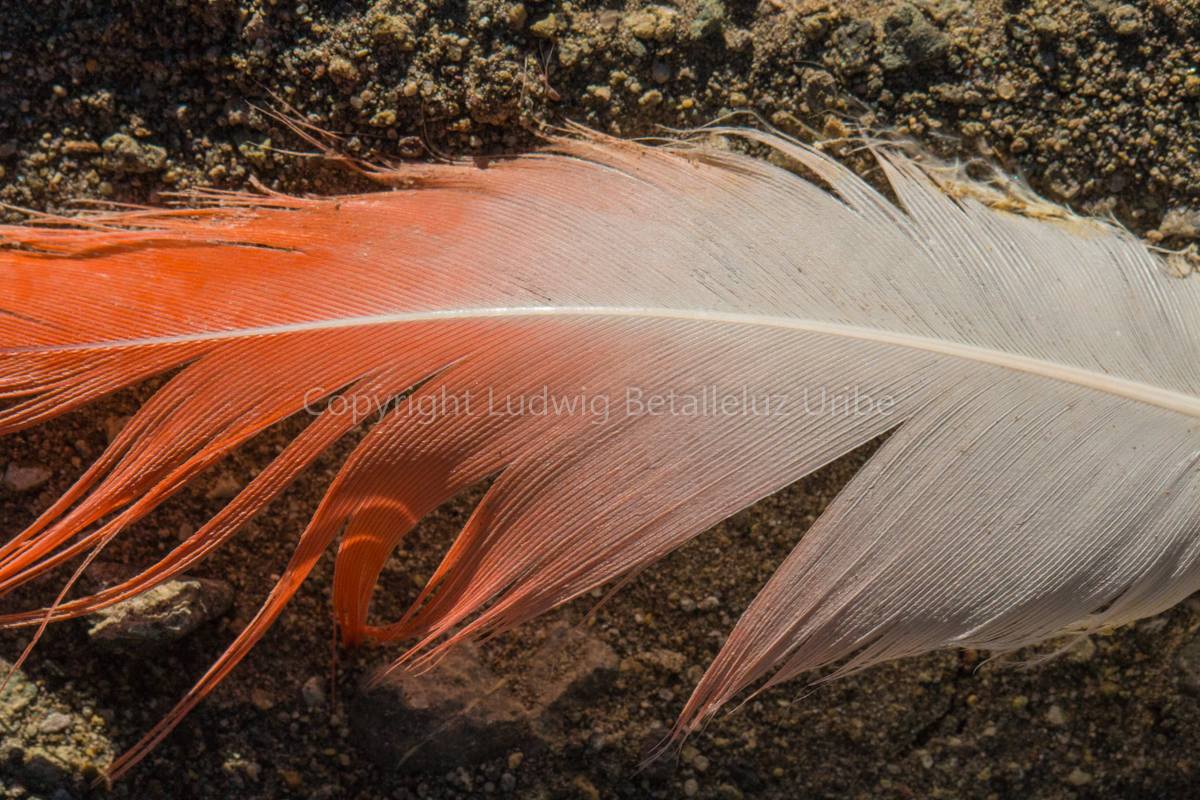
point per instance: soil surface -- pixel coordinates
(1096, 104)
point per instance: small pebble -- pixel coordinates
(313, 692)
(261, 699)
(1127, 20)
(24, 479)
(55, 723)
(227, 486)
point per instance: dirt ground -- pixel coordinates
(1096, 104)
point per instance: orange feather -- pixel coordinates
(1040, 408)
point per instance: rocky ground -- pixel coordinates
(1096, 104)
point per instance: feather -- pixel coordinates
(683, 330)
